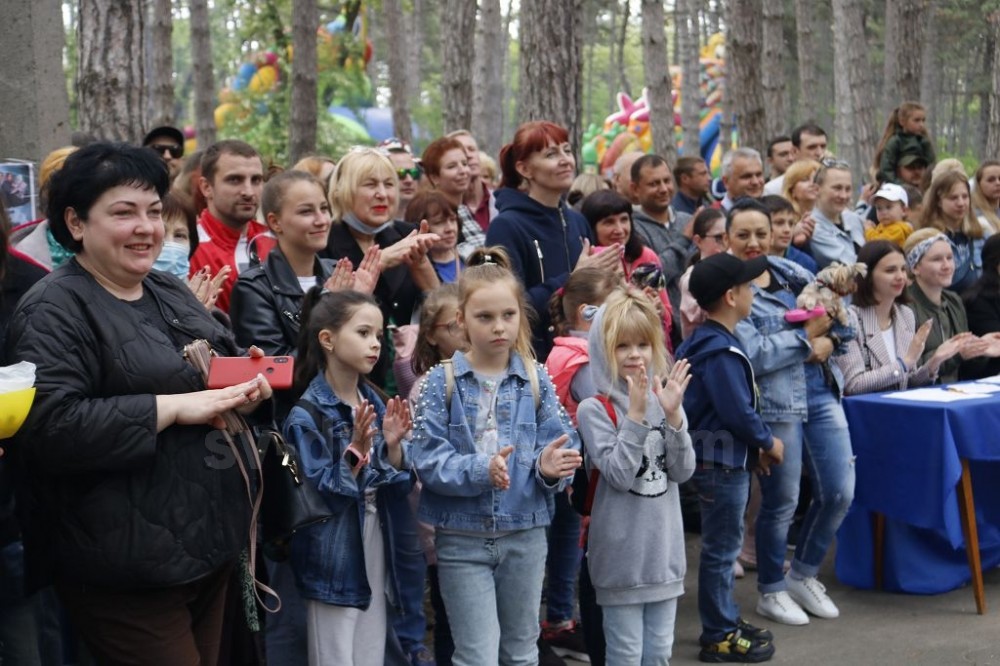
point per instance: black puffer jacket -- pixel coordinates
(107, 501)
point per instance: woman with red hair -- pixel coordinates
(546, 239)
(447, 168)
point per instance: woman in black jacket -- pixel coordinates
(138, 509)
(982, 306)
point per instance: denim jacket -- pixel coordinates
(328, 558)
(778, 350)
(457, 493)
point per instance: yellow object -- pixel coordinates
(14, 407)
(264, 79)
(223, 113)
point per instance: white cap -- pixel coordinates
(892, 192)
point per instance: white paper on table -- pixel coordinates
(977, 387)
(935, 395)
(989, 380)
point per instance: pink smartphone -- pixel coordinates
(225, 371)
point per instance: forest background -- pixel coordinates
(439, 65)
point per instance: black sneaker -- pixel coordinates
(736, 648)
(566, 639)
(756, 634)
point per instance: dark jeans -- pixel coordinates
(444, 646)
(285, 631)
(591, 618)
(723, 495)
(171, 626)
(563, 561)
(411, 573)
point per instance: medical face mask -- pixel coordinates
(173, 259)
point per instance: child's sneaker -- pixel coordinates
(738, 649)
(811, 595)
(780, 607)
(747, 630)
(566, 639)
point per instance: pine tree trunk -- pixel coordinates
(687, 38)
(302, 124)
(856, 140)
(111, 77)
(623, 84)
(743, 57)
(890, 89)
(993, 127)
(912, 29)
(655, 66)
(457, 22)
(161, 81)
(930, 80)
(204, 77)
(487, 89)
(414, 26)
(552, 64)
(773, 69)
(614, 65)
(806, 50)
(397, 42)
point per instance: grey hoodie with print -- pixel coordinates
(636, 545)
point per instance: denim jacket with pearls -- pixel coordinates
(457, 492)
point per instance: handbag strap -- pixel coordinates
(199, 354)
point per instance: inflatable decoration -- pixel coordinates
(628, 128)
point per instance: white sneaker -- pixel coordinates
(780, 607)
(811, 595)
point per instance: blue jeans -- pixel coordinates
(640, 634)
(823, 444)
(411, 573)
(722, 495)
(563, 561)
(492, 587)
(285, 631)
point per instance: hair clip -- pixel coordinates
(589, 312)
(488, 259)
(560, 291)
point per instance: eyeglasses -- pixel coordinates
(414, 172)
(175, 151)
(452, 326)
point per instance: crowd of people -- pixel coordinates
(508, 376)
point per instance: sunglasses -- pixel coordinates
(162, 148)
(830, 163)
(415, 173)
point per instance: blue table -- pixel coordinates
(916, 525)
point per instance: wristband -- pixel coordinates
(354, 458)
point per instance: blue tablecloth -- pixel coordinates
(908, 464)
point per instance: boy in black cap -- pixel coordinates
(169, 143)
(730, 439)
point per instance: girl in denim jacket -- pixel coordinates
(350, 446)
(490, 447)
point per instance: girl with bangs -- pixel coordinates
(491, 446)
(546, 239)
(636, 435)
(948, 208)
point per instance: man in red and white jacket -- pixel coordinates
(232, 178)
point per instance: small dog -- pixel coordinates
(825, 295)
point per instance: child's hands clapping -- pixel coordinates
(499, 476)
(556, 461)
(364, 427)
(396, 425)
(671, 392)
(638, 389)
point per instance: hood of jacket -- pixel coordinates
(514, 201)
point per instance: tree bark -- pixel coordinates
(743, 57)
(457, 22)
(773, 70)
(111, 76)
(806, 51)
(687, 39)
(414, 26)
(204, 77)
(302, 124)
(487, 89)
(993, 126)
(552, 64)
(890, 89)
(855, 130)
(623, 84)
(658, 96)
(912, 22)
(397, 42)
(162, 75)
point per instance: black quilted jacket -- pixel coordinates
(106, 500)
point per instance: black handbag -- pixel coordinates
(291, 502)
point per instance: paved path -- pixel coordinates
(874, 628)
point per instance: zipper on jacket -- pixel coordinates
(538, 251)
(565, 230)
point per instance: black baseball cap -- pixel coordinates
(166, 130)
(711, 278)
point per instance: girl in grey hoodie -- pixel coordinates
(636, 543)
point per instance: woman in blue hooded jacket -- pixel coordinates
(545, 238)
